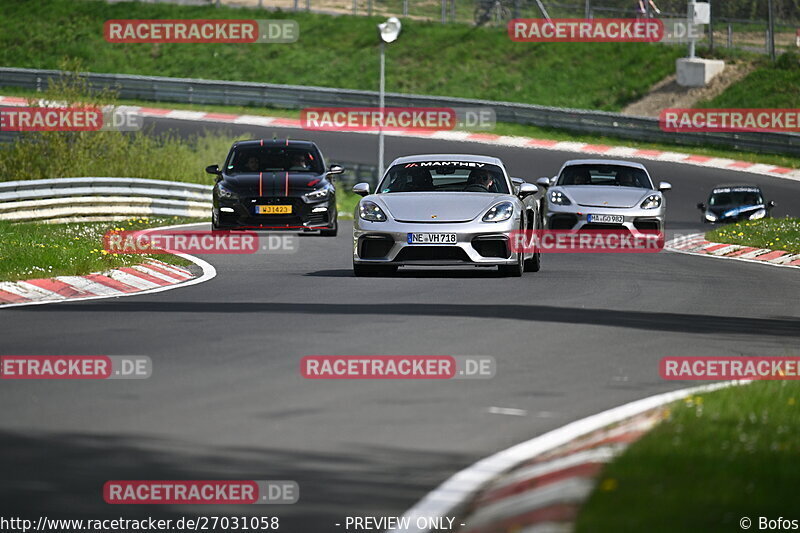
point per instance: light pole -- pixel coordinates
(388, 31)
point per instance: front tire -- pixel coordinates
(515, 270)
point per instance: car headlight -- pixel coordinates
(224, 192)
(317, 195)
(711, 217)
(559, 198)
(499, 212)
(761, 213)
(651, 202)
(371, 211)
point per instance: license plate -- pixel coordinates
(432, 238)
(613, 219)
(273, 210)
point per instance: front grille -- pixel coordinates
(597, 225)
(563, 221)
(492, 247)
(646, 224)
(374, 246)
(432, 253)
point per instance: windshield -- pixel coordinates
(272, 159)
(739, 196)
(444, 176)
(616, 175)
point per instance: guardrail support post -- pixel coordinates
(730, 35)
(405, 8)
(444, 11)
(369, 8)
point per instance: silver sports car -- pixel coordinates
(445, 210)
(604, 194)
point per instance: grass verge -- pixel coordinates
(33, 250)
(771, 85)
(428, 58)
(772, 233)
(717, 458)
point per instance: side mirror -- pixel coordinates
(544, 182)
(664, 186)
(771, 204)
(214, 169)
(526, 189)
(701, 206)
(361, 189)
(336, 169)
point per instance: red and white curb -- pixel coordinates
(546, 493)
(462, 136)
(148, 277)
(696, 244)
(484, 493)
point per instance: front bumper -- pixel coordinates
(239, 213)
(478, 243)
(576, 217)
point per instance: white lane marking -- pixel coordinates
(130, 279)
(449, 498)
(507, 411)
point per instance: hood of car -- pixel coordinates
(606, 195)
(439, 206)
(273, 183)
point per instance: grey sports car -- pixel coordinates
(604, 194)
(445, 209)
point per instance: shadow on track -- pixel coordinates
(61, 476)
(652, 321)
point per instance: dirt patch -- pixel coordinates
(667, 93)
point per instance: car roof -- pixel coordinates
(620, 162)
(448, 157)
(292, 143)
(724, 185)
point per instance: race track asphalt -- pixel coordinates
(226, 399)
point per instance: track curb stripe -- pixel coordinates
(485, 138)
(696, 244)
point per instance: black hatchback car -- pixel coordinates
(734, 203)
(275, 185)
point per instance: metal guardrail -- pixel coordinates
(185, 90)
(101, 199)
